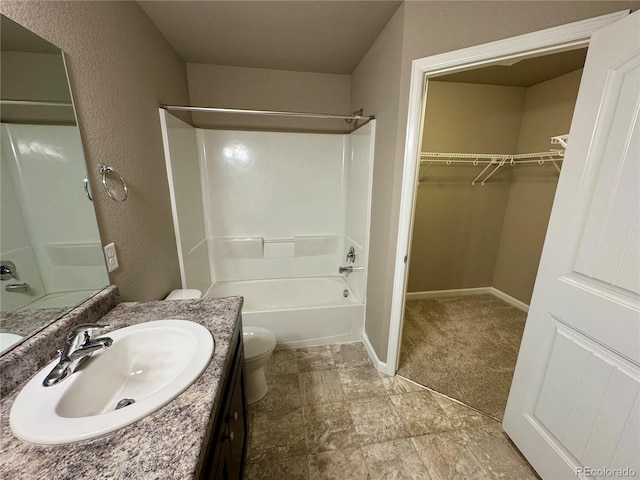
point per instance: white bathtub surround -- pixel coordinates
(274, 186)
(358, 190)
(278, 212)
(181, 157)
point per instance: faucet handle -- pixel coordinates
(84, 330)
(351, 255)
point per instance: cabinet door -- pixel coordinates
(223, 469)
(237, 424)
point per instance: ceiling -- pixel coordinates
(308, 36)
(523, 73)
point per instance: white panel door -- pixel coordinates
(573, 407)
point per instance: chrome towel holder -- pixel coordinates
(104, 170)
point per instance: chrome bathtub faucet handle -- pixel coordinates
(351, 255)
(7, 270)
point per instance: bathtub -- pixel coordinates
(301, 312)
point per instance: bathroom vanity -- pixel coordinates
(201, 434)
(226, 453)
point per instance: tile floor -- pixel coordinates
(330, 415)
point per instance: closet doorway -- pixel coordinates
(492, 148)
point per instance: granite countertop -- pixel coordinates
(164, 445)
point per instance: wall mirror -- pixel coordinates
(50, 250)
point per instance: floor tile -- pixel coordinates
(283, 392)
(376, 420)
(361, 382)
(277, 434)
(307, 428)
(329, 427)
(339, 465)
(282, 362)
(397, 384)
(314, 358)
(321, 386)
(420, 413)
(447, 457)
(293, 468)
(460, 415)
(350, 355)
(496, 453)
(396, 459)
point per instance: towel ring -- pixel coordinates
(86, 188)
(104, 170)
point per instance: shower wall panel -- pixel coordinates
(181, 154)
(266, 195)
(357, 190)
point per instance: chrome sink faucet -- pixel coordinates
(79, 345)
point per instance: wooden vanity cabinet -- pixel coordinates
(227, 449)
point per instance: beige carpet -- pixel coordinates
(464, 347)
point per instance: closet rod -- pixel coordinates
(36, 103)
(487, 157)
(273, 113)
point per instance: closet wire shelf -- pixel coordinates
(493, 162)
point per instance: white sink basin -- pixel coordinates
(151, 363)
(8, 339)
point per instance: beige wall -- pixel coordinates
(121, 68)
(472, 118)
(262, 89)
(375, 84)
(548, 112)
(421, 29)
(457, 226)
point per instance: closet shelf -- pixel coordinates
(494, 161)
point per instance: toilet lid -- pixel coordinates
(257, 341)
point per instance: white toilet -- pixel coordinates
(259, 344)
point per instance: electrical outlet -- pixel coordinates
(111, 257)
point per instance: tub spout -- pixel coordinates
(349, 269)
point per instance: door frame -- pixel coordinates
(544, 42)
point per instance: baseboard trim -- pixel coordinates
(509, 299)
(448, 293)
(469, 291)
(377, 363)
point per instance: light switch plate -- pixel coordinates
(111, 257)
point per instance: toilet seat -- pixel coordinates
(258, 342)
